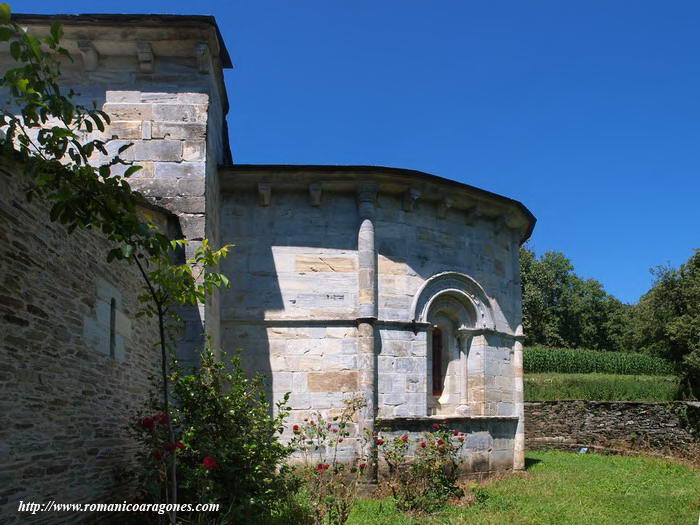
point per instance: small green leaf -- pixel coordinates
(56, 31)
(5, 13)
(6, 33)
(15, 50)
(34, 44)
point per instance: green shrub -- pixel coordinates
(600, 387)
(423, 473)
(227, 446)
(580, 361)
(330, 484)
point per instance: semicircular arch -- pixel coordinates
(457, 287)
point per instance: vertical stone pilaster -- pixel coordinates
(518, 395)
(168, 133)
(367, 302)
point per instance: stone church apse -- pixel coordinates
(393, 285)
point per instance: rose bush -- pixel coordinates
(331, 478)
(423, 472)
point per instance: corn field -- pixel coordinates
(580, 361)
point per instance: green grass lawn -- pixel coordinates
(566, 488)
(599, 387)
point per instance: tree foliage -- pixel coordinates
(560, 309)
(666, 321)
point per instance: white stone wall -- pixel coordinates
(293, 300)
(294, 305)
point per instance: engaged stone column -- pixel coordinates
(518, 395)
(367, 302)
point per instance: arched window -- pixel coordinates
(450, 302)
(438, 377)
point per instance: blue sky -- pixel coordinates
(587, 111)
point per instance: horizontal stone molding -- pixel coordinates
(407, 325)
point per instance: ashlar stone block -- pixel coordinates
(336, 381)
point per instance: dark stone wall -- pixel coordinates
(662, 427)
(65, 399)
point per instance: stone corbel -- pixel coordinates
(264, 193)
(367, 192)
(410, 198)
(144, 54)
(315, 194)
(472, 215)
(367, 199)
(445, 204)
(203, 62)
(89, 53)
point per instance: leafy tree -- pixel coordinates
(666, 322)
(560, 309)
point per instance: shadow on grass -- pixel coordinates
(530, 462)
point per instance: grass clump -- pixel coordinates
(601, 387)
(581, 361)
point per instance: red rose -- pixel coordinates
(335, 430)
(147, 422)
(461, 438)
(340, 440)
(455, 432)
(161, 418)
(209, 462)
(440, 442)
(436, 426)
(328, 426)
(157, 454)
(404, 438)
(180, 445)
(295, 429)
(422, 444)
(380, 441)
(363, 465)
(374, 432)
(322, 467)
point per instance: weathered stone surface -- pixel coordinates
(56, 365)
(179, 170)
(306, 263)
(123, 129)
(177, 130)
(180, 112)
(128, 111)
(333, 381)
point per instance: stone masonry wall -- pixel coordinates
(414, 246)
(662, 427)
(292, 306)
(67, 392)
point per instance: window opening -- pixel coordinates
(112, 327)
(437, 362)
